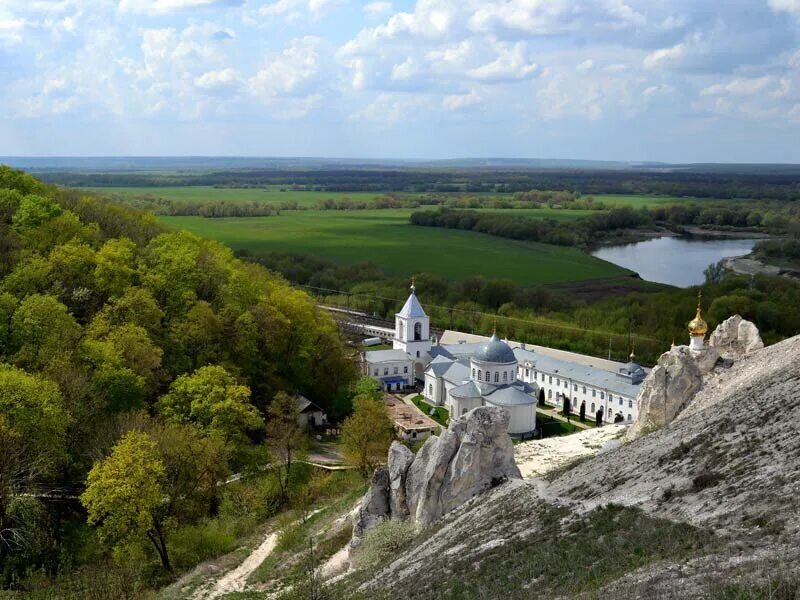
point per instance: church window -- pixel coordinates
(527, 372)
(479, 374)
(549, 393)
(430, 390)
(574, 387)
(611, 398)
(473, 372)
(566, 384)
(584, 391)
(592, 406)
(602, 395)
(594, 393)
(630, 403)
(400, 328)
(505, 376)
(550, 379)
(417, 331)
(558, 382)
(629, 417)
(497, 376)
(620, 401)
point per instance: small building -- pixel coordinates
(392, 369)
(310, 415)
(411, 425)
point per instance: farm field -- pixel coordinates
(386, 238)
(272, 194)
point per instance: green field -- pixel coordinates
(271, 194)
(386, 238)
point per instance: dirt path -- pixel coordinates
(236, 579)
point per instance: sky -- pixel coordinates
(649, 80)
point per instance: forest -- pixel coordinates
(139, 367)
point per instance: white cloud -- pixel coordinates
(162, 7)
(11, 30)
(739, 87)
(290, 81)
(512, 62)
(790, 6)
(461, 101)
(216, 80)
(376, 10)
(295, 10)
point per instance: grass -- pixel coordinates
(203, 193)
(441, 415)
(386, 238)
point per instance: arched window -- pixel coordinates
(497, 376)
(400, 330)
(592, 406)
(417, 331)
(473, 372)
(549, 393)
(629, 417)
(479, 374)
(505, 376)
(417, 353)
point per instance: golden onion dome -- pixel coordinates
(698, 326)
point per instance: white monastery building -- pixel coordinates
(463, 371)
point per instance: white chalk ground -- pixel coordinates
(537, 457)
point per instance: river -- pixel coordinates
(673, 260)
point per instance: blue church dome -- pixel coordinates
(495, 351)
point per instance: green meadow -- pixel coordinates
(386, 238)
(201, 193)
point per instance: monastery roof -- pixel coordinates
(495, 351)
(578, 372)
(412, 309)
(513, 394)
(469, 342)
(379, 356)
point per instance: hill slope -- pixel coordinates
(704, 507)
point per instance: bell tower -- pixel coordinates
(412, 332)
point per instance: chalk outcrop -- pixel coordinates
(375, 506)
(668, 388)
(473, 455)
(736, 337)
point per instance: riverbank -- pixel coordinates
(750, 266)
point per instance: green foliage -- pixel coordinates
(124, 492)
(33, 409)
(367, 434)
(105, 311)
(211, 398)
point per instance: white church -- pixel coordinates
(463, 371)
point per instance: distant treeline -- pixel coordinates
(581, 232)
(616, 224)
(210, 208)
(766, 184)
